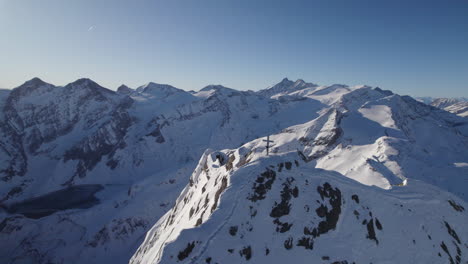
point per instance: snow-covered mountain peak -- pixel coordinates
(84, 82)
(34, 82)
(33, 86)
(86, 88)
(124, 89)
(212, 89)
(87, 84)
(286, 86)
(159, 91)
(285, 81)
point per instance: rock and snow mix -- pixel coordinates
(355, 174)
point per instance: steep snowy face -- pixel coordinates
(242, 205)
(396, 137)
(41, 119)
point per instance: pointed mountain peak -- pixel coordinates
(285, 81)
(84, 81)
(286, 86)
(124, 89)
(89, 85)
(34, 82)
(30, 86)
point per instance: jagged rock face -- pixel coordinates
(14, 160)
(37, 115)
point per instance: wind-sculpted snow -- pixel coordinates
(142, 146)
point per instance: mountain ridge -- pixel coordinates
(224, 216)
(141, 148)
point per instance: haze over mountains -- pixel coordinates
(352, 174)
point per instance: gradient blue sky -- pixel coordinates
(411, 47)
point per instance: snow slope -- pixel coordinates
(244, 206)
(280, 209)
(459, 108)
(364, 171)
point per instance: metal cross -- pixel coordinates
(268, 145)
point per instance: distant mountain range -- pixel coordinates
(353, 175)
(457, 106)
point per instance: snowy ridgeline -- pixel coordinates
(355, 174)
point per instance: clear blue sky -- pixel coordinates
(411, 47)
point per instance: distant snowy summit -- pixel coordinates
(123, 89)
(287, 86)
